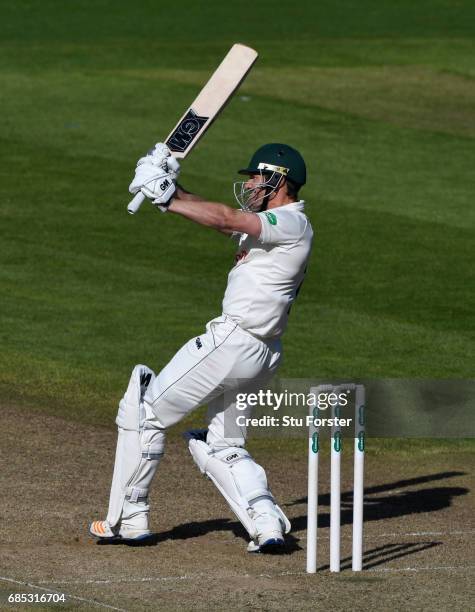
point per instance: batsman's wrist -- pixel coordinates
(163, 207)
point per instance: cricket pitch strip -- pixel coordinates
(418, 537)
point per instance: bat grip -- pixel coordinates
(135, 203)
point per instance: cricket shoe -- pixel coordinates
(269, 539)
(123, 533)
(270, 546)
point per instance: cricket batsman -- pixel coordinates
(239, 351)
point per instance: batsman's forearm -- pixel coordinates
(183, 194)
(210, 214)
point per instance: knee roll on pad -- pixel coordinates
(139, 448)
(131, 413)
(239, 478)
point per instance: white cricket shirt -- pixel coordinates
(269, 271)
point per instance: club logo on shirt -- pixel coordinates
(271, 218)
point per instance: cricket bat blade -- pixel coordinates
(207, 106)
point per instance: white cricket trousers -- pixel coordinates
(211, 369)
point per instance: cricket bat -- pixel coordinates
(207, 106)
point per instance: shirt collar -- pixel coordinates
(293, 205)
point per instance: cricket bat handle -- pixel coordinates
(135, 203)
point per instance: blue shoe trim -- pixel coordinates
(139, 538)
(272, 546)
(272, 542)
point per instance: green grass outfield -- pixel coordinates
(377, 95)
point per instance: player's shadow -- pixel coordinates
(388, 500)
(380, 502)
(196, 529)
